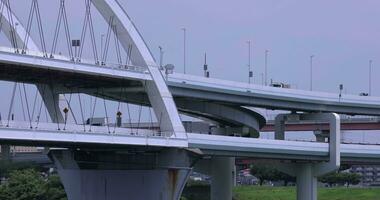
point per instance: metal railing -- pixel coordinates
(132, 68)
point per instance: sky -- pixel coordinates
(341, 34)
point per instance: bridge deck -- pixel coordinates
(199, 88)
(208, 144)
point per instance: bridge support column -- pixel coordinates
(222, 171)
(5, 152)
(96, 175)
(306, 183)
(307, 173)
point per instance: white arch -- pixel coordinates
(157, 90)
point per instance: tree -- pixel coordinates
(29, 184)
(343, 178)
(265, 173)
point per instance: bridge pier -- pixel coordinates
(5, 152)
(96, 175)
(307, 173)
(222, 180)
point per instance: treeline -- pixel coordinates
(267, 173)
(27, 181)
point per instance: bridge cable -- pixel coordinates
(1, 17)
(117, 45)
(81, 111)
(88, 22)
(69, 106)
(118, 108)
(62, 16)
(22, 102)
(93, 110)
(150, 112)
(56, 110)
(34, 104)
(11, 25)
(27, 106)
(129, 55)
(34, 9)
(128, 110)
(107, 42)
(138, 122)
(40, 107)
(11, 103)
(105, 109)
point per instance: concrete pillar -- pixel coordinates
(114, 176)
(306, 183)
(5, 152)
(222, 170)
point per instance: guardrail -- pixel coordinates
(133, 68)
(83, 129)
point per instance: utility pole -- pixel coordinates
(205, 66)
(250, 73)
(101, 44)
(370, 78)
(266, 67)
(161, 58)
(311, 72)
(184, 50)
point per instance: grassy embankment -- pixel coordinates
(285, 193)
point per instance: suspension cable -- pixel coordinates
(107, 42)
(2, 6)
(62, 16)
(22, 102)
(93, 110)
(34, 104)
(11, 103)
(69, 107)
(117, 45)
(118, 108)
(35, 10)
(105, 109)
(129, 113)
(40, 109)
(27, 106)
(81, 111)
(88, 22)
(129, 55)
(11, 25)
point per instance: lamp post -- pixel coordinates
(250, 73)
(161, 57)
(184, 50)
(266, 67)
(311, 72)
(370, 77)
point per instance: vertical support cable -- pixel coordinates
(88, 22)
(62, 17)
(34, 9)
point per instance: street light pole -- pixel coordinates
(266, 67)
(311, 72)
(161, 57)
(101, 44)
(370, 78)
(184, 50)
(250, 73)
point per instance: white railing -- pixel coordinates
(83, 129)
(133, 68)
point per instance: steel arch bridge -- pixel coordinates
(165, 157)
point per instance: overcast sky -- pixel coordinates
(342, 34)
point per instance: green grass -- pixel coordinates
(289, 193)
